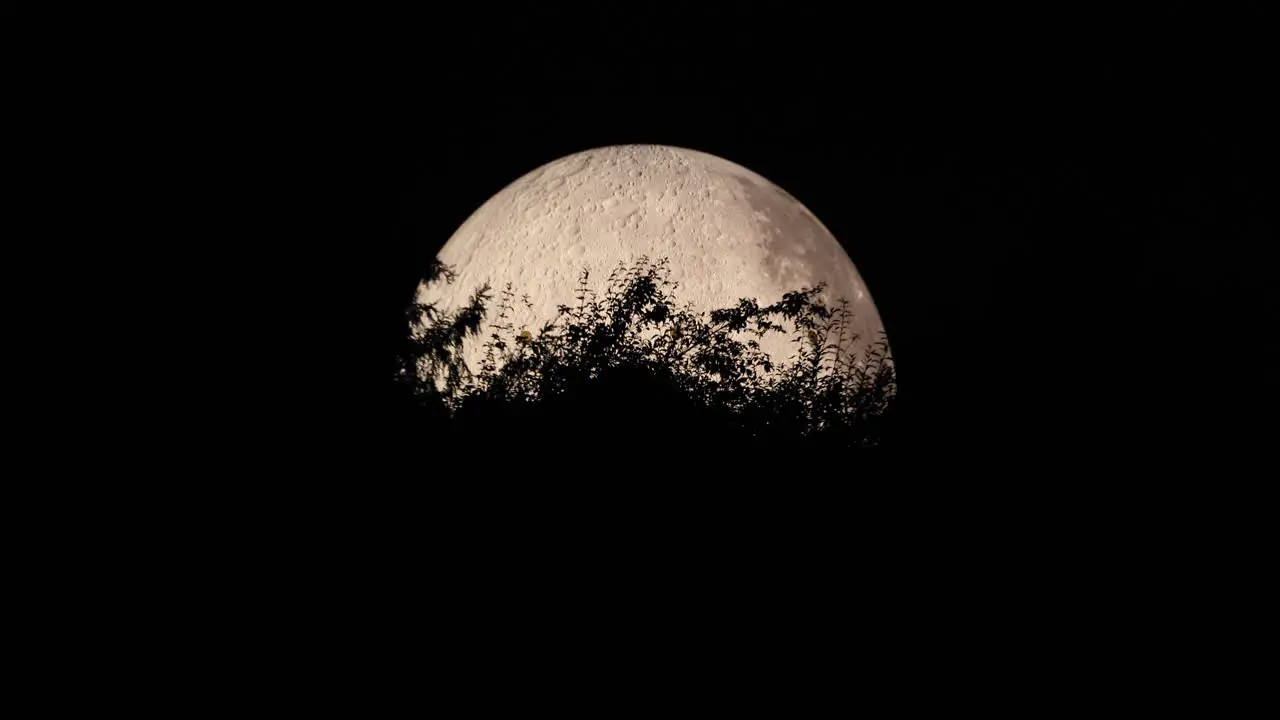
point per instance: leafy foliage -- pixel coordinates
(634, 366)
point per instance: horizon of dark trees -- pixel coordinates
(635, 374)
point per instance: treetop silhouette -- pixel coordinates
(636, 364)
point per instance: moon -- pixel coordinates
(728, 232)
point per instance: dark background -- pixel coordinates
(1065, 224)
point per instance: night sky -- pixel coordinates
(1066, 225)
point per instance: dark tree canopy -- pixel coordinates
(635, 372)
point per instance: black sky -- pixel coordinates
(1066, 222)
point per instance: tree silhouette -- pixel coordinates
(634, 369)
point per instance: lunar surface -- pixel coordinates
(728, 233)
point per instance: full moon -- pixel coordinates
(728, 233)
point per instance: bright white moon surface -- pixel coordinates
(728, 233)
